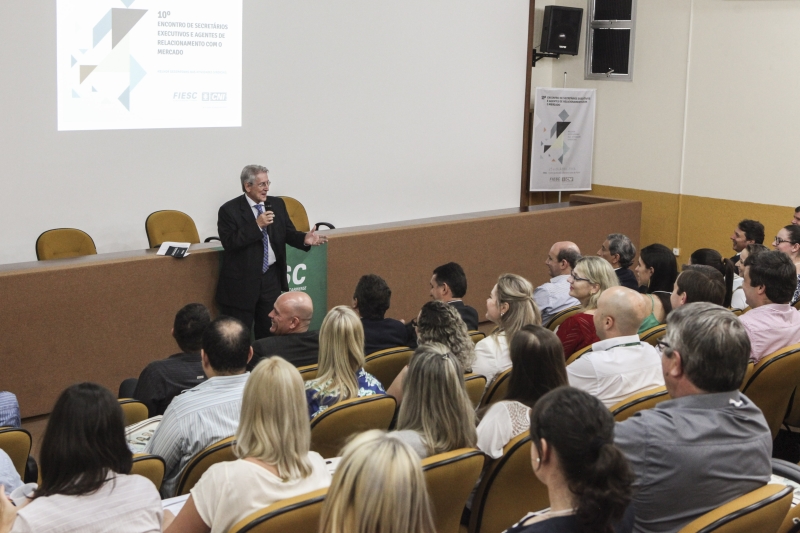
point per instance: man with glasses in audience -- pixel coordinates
(709, 443)
(553, 296)
(618, 250)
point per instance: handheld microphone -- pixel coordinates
(267, 205)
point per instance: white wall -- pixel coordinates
(367, 111)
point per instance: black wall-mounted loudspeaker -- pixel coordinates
(561, 30)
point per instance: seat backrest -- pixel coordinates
(300, 514)
(773, 385)
(762, 511)
(450, 478)
(561, 316)
(796, 305)
(476, 386)
(308, 372)
(297, 213)
(496, 390)
(508, 489)
(216, 453)
(63, 243)
(577, 354)
(170, 226)
(150, 466)
(653, 335)
(386, 364)
(16, 442)
(476, 336)
(331, 429)
(638, 402)
(134, 410)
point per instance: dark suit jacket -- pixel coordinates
(382, 334)
(627, 278)
(468, 314)
(240, 274)
(300, 349)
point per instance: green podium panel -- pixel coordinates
(308, 272)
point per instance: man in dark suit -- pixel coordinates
(371, 300)
(290, 339)
(449, 285)
(254, 231)
(618, 250)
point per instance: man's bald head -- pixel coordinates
(562, 257)
(291, 313)
(620, 312)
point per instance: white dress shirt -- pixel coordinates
(617, 368)
(553, 297)
(255, 214)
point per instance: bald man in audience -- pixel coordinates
(708, 443)
(553, 296)
(620, 364)
(698, 283)
(291, 317)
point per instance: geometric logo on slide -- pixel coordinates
(118, 64)
(556, 141)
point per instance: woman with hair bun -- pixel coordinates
(712, 258)
(572, 452)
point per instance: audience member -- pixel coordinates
(371, 301)
(796, 217)
(553, 296)
(378, 487)
(510, 306)
(9, 410)
(788, 242)
(9, 477)
(771, 324)
(85, 462)
(537, 359)
(273, 463)
(726, 267)
(619, 365)
(619, 251)
(590, 277)
(210, 411)
(656, 272)
(707, 445)
(698, 283)
(436, 415)
(161, 381)
(588, 479)
(747, 232)
(341, 374)
(738, 300)
(439, 322)
(291, 316)
(449, 285)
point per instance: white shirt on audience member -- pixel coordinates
(616, 368)
(553, 297)
(195, 419)
(491, 356)
(124, 504)
(9, 477)
(737, 297)
(501, 423)
(231, 491)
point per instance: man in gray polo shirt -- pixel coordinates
(707, 445)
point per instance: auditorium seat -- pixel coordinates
(308, 372)
(653, 335)
(762, 510)
(508, 489)
(476, 336)
(333, 427)
(134, 410)
(298, 216)
(450, 478)
(496, 390)
(218, 452)
(63, 243)
(386, 364)
(300, 514)
(150, 466)
(16, 442)
(557, 319)
(773, 384)
(170, 226)
(638, 402)
(576, 355)
(475, 385)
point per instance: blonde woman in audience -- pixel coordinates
(274, 463)
(85, 463)
(341, 373)
(378, 487)
(588, 478)
(436, 415)
(537, 359)
(590, 277)
(788, 242)
(439, 322)
(510, 306)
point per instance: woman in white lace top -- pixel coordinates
(538, 367)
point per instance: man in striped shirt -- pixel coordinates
(209, 412)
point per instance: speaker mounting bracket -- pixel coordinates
(541, 55)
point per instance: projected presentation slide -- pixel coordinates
(134, 64)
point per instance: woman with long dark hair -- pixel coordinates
(656, 271)
(588, 478)
(709, 257)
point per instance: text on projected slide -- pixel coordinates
(134, 64)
